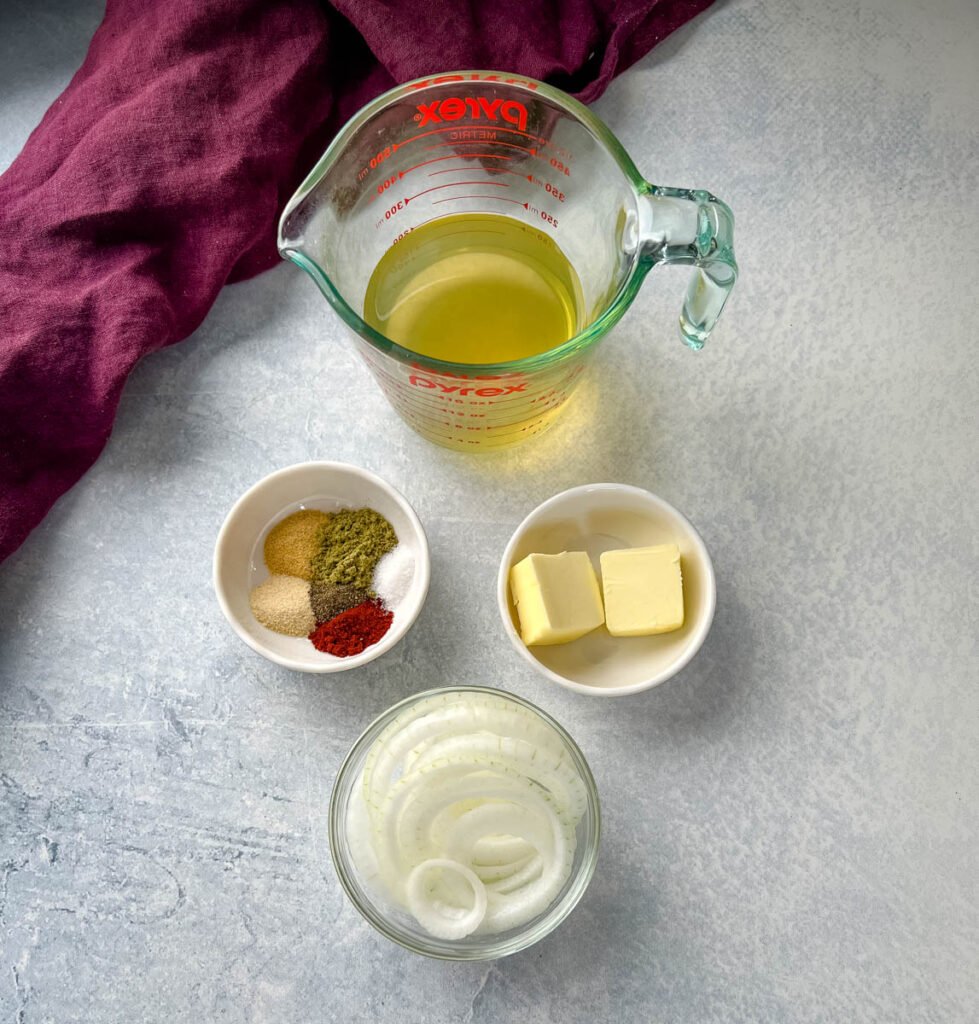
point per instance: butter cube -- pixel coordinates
(557, 597)
(643, 590)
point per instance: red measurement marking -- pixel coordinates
(463, 142)
(560, 167)
(420, 224)
(479, 128)
(424, 222)
(452, 184)
(550, 189)
(435, 160)
(502, 199)
(496, 170)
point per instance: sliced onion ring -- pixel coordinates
(435, 916)
(470, 809)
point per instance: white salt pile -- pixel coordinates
(393, 575)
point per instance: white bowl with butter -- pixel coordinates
(600, 518)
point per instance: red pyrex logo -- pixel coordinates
(418, 381)
(454, 107)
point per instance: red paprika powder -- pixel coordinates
(354, 630)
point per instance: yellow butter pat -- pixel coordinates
(643, 590)
(557, 597)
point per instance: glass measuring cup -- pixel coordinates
(490, 142)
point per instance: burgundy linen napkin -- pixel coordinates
(158, 175)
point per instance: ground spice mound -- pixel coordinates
(354, 630)
(329, 599)
(282, 603)
(292, 544)
(352, 542)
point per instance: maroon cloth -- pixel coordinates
(159, 173)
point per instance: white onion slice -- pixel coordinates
(449, 715)
(495, 874)
(500, 851)
(548, 770)
(441, 919)
(469, 808)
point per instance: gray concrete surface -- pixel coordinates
(791, 824)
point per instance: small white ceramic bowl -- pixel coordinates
(239, 563)
(603, 517)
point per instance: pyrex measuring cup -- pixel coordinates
(485, 142)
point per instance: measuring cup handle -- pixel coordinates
(690, 226)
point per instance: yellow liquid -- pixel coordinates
(475, 288)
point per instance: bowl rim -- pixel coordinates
(393, 635)
(524, 939)
(626, 690)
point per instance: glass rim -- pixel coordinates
(553, 916)
(595, 330)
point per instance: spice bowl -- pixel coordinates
(596, 518)
(239, 564)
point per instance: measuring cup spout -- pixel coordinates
(690, 226)
(304, 260)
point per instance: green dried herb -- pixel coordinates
(352, 542)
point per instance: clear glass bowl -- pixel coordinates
(397, 924)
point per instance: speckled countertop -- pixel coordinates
(791, 824)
